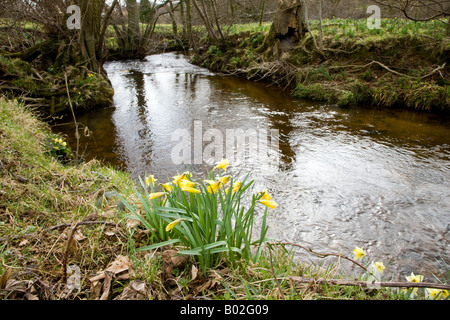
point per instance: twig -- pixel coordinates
(368, 284)
(58, 227)
(77, 134)
(324, 255)
(389, 69)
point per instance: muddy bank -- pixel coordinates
(409, 71)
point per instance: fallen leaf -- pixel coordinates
(133, 223)
(136, 290)
(119, 269)
(194, 273)
(5, 277)
(79, 236)
(171, 260)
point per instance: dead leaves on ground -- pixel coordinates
(101, 284)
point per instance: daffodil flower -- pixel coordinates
(437, 293)
(156, 195)
(150, 180)
(222, 165)
(414, 278)
(236, 186)
(224, 180)
(173, 224)
(359, 253)
(379, 266)
(269, 203)
(167, 187)
(213, 187)
(190, 190)
(186, 183)
(183, 176)
(265, 196)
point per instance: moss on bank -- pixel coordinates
(46, 90)
(388, 69)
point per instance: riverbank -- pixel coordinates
(59, 219)
(403, 64)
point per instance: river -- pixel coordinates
(343, 177)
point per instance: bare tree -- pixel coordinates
(419, 10)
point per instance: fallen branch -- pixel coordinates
(389, 69)
(324, 255)
(367, 284)
(58, 227)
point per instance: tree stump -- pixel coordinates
(288, 27)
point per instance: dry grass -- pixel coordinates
(40, 199)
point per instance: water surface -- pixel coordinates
(347, 177)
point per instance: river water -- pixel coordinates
(343, 177)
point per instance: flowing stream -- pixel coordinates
(345, 177)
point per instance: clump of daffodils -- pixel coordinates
(58, 148)
(207, 216)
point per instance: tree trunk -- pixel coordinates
(90, 32)
(288, 27)
(133, 25)
(189, 21)
(289, 21)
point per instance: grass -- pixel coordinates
(39, 192)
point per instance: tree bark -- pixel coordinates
(133, 24)
(289, 21)
(91, 11)
(288, 28)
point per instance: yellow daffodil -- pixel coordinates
(224, 180)
(437, 293)
(414, 278)
(167, 187)
(236, 186)
(156, 195)
(150, 180)
(186, 183)
(265, 196)
(269, 203)
(190, 190)
(173, 224)
(379, 266)
(223, 165)
(183, 176)
(213, 187)
(359, 253)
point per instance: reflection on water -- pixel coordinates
(347, 177)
